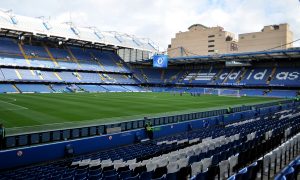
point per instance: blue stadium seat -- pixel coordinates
(201, 176)
(145, 175)
(111, 177)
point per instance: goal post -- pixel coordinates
(229, 92)
(222, 92)
(208, 91)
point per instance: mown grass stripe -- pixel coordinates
(91, 108)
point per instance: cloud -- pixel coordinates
(161, 19)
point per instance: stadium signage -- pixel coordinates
(261, 75)
(287, 75)
(160, 61)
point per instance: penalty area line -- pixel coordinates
(18, 107)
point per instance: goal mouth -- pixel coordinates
(222, 92)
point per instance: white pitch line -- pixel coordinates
(13, 109)
(12, 99)
(20, 107)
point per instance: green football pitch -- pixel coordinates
(22, 113)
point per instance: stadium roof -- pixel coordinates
(246, 56)
(69, 32)
(292, 53)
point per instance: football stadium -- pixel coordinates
(79, 103)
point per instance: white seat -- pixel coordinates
(194, 140)
(206, 139)
(131, 161)
(118, 165)
(279, 152)
(284, 154)
(182, 156)
(206, 162)
(196, 168)
(84, 162)
(118, 161)
(204, 149)
(162, 162)
(237, 137)
(151, 166)
(156, 158)
(294, 146)
(223, 141)
(134, 165)
(106, 161)
(179, 142)
(185, 140)
(227, 140)
(95, 162)
(233, 160)
(272, 162)
(211, 146)
(106, 164)
(183, 162)
(170, 142)
(224, 167)
(249, 137)
(266, 164)
(182, 151)
(231, 138)
(197, 150)
(144, 162)
(160, 143)
(173, 158)
(172, 167)
(75, 163)
(190, 153)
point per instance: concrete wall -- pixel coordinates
(271, 37)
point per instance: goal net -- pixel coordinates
(223, 92)
(208, 91)
(229, 92)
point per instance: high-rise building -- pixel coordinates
(269, 38)
(202, 40)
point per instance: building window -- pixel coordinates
(211, 46)
(233, 47)
(211, 50)
(211, 40)
(276, 27)
(211, 36)
(228, 38)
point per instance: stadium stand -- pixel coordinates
(7, 88)
(231, 76)
(281, 77)
(59, 87)
(40, 63)
(92, 88)
(39, 88)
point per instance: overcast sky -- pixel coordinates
(159, 20)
